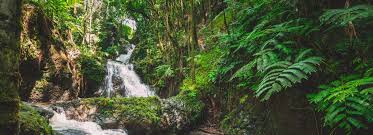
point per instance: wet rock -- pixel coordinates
(117, 86)
(244, 121)
(107, 123)
(139, 115)
(77, 110)
(70, 132)
(181, 113)
(46, 113)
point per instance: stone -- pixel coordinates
(139, 115)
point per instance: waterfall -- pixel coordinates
(63, 126)
(122, 80)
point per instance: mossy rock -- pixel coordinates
(139, 115)
(243, 120)
(182, 112)
(32, 123)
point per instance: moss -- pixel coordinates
(92, 67)
(229, 122)
(242, 121)
(192, 105)
(140, 111)
(41, 85)
(33, 123)
(144, 115)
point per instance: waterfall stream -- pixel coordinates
(121, 80)
(63, 126)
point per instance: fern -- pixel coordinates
(369, 72)
(285, 74)
(164, 71)
(341, 17)
(264, 59)
(346, 105)
(244, 72)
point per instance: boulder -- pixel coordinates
(139, 115)
(118, 86)
(43, 111)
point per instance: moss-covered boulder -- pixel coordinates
(242, 121)
(32, 123)
(139, 115)
(181, 113)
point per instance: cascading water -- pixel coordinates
(63, 126)
(122, 79)
(130, 85)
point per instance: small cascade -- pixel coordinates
(63, 126)
(122, 80)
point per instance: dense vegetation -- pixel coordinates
(254, 63)
(262, 48)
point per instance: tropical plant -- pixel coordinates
(347, 103)
(342, 17)
(285, 74)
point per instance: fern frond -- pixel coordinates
(303, 55)
(346, 105)
(282, 75)
(369, 72)
(341, 17)
(244, 71)
(264, 59)
(164, 71)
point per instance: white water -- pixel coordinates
(131, 85)
(64, 126)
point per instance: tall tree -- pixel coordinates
(9, 65)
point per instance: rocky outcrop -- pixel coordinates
(43, 111)
(180, 113)
(139, 115)
(47, 67)
(78, 110)
(118, 88)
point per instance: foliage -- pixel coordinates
(92, 67)
(347, 102)
(261, 47)
(135, 111)
(342, 17)
(207, 64)
(59, 12)
(32, 123)
(284, 74)
(263, 56)
(268, 48)
(151, 113)
(164, 72)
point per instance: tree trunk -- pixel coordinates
(9, 64)
(194, 39)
